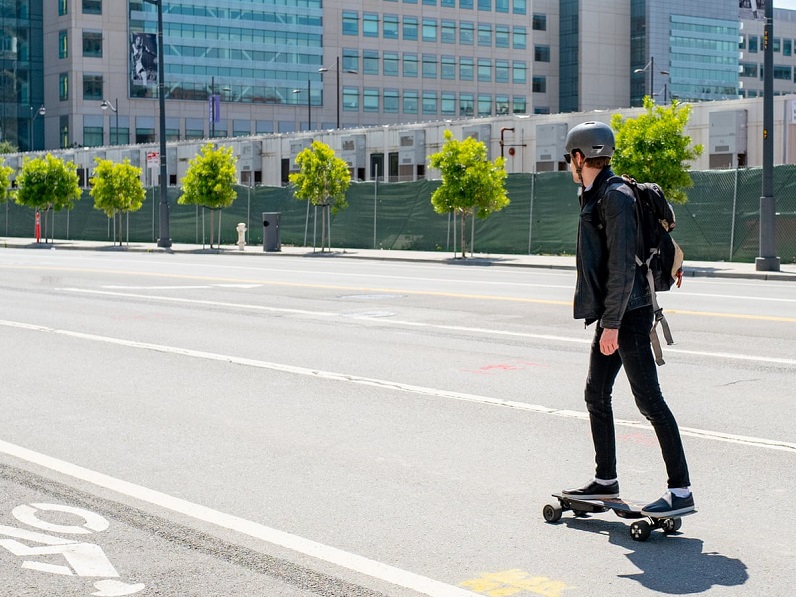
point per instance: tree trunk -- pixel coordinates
(121, 225)
(464, 229)
(323, 228)
(211, 230)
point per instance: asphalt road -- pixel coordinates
(208, 425)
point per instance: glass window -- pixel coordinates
(519, 36)
(484, 105)
(485, 5)
(410, 101)
(465, 69)
(753, 44)
(539, 85)
(447, 103)
(782, 73)
(430, 2)
(370, 62)
(485, 35)
(429, 102)
(370, 100)
(519, 72)
(350, 60)
(63, 7)
(520, 104)
(429, 29)
(429, 66)
(787, 47)
(501, 104)
(350, 23)
(748, 69)
(410, 28)
(501, 71)
(391, 64)
(466, 33)
(92, 87)
(501, 5)
(447, 32)
(541, 53)
(448, 3)
(519, 7)
(351, 99)
(92, 44)
(391, 100)
(539, 22)
(390, 27)
(63, 44)
(466, 104)
(777, 45)
(410, 65)
(501, 36)
(63, 86)
(92, 136)
(370, 25)
(466, 4)
(92, 7)
(484, 70)
(448, 67)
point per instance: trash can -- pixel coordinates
(271, 241)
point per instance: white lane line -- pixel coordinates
(351, 561)
(454, 328)
(398, 386)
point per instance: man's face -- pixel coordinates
(575, 160)
(138, 42)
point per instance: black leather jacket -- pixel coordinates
(609, 281)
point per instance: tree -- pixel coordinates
(117, 189)
(8, 147)
(47, 183)
(652, 147)
(323, 179)
(5, 180)
(471, 184)
(210, 182)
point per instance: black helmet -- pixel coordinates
(592, 139)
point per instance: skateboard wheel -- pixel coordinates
(552, 513)
(640, 530)
(671, 525)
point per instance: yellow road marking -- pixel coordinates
(515, 582)
(485, 297)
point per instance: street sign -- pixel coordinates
(152, 159)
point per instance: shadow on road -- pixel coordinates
(670, 564)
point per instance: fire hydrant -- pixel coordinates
(241, 228)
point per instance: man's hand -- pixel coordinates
(609, 341)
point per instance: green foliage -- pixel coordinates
(117, 188)
(47, 183)
(653, 148)
(323, 178)
(8, 147)
(5, 180)
(471, 184)
(210, 179)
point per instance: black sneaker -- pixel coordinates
(594, 491)
(670, 505)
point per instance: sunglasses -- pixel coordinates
(568, 157)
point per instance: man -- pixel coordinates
(612, 291)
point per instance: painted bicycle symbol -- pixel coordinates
(82, 558)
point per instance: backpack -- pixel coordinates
(658, 253)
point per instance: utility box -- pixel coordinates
(551, 147)
(271, 240)
(727, 147)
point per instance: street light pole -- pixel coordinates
(33, 115)
(309, 102)
(105, 105)
(165, 237)
(325, 69)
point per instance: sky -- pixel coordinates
(789, 4)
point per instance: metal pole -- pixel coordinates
(375, 201)
(165, 236)
(212, 107)
(117, 129)
(768, 261)
(652, 75)
(309, 104)
(337, 70)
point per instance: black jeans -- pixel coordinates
(635, 354)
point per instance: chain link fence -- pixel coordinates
(720, 222)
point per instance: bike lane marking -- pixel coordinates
(351, 561)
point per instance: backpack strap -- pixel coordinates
(660, 318)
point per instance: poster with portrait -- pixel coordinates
(143, 58)
(752, 10)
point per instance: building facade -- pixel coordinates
(83, 73)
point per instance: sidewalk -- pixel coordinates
(716, 269)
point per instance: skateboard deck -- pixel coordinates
(640, 530)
